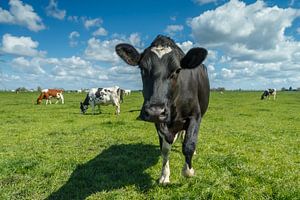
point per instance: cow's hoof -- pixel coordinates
(164, 180)
(186, 172)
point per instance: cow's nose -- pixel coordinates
(156, 111)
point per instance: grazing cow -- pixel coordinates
(101, 96)
(51, 93)
(176, 94)
(127, 92)
(267, 93)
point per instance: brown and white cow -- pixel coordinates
(51, 93)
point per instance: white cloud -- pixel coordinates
(53, 11)
(100, 32)
(23, 46)
(21, 14)
(251, 40)
(88, 23)
(255, 26)
(104, 50)
(201, 2)
(30, 67)
(173, 29)
(186, 46)
(76, 67)
(73, 38)
(135, 40)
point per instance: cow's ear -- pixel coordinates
(128, 53)
(193, 58)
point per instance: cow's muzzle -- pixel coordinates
(157, 114)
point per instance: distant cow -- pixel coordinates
(267, 93)
(127, 92)
(176, 94)
(51, 93)
(101, 96)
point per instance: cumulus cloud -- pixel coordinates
(75, 68)
(22, 46)
(253, 27)
(28, 66)
(201, 2)
(104, 50)
(88, 23)
(186, 46)
(100, 32)
(73, 38)
(252, 41)
(21, 14)
(173, 29)
(53, 11)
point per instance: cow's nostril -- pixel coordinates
(164, 111)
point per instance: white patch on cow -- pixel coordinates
(160, 51)
(45, 90)
(187, 172)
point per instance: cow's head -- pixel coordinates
(38, 101)
(83, 108)
(160, 65)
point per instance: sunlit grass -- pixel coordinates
(247, 149)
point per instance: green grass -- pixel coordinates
(247, 149)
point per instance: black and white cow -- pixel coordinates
(267, 93)
(101, 96)
(176, 94)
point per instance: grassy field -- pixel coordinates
(248, 149)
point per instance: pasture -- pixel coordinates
(247, 149)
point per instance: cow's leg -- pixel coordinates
(62, 99)
(117, 109)
(99, 109)
(165, 148)
(116, 103)
(93, 107)
(189, 146)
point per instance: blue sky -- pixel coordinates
(70, 44)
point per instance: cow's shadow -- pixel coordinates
(116, 167)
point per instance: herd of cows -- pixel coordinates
(95, 97)
(176, 94)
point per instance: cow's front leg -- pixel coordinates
(99, 108)
(165, 149)
(165, 171)
(189, 146)
(117, 109)
(93, 107)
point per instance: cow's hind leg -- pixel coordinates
(189, 147)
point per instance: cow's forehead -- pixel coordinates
(160, 51)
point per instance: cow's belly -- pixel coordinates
(103, 102)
